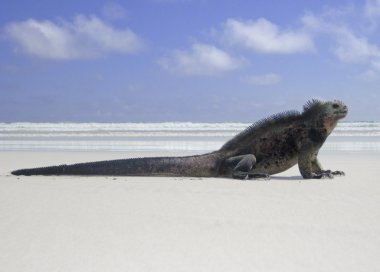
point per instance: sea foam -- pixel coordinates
(168, 136)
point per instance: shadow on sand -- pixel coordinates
(299, 178)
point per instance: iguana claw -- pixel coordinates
(327, 174)
(334, 173)
(323, 175)
(338, 173)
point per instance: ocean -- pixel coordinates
(172, 137)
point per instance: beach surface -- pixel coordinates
(188, 224)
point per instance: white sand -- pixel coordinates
(188, 224)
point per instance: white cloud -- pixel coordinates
(314, 23)
(85, 37)
(265, 79)
(348, 47)
(265, 37)
(369, 75)
(351, 48)
(372, 9)
(376, 64)
(202, 59)
(113, 11)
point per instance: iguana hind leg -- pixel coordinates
(244, 164)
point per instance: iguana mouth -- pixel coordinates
(341, 113)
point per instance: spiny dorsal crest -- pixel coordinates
(274, 119)
(313, 106)
(265, 124)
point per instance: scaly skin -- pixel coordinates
(268, 147)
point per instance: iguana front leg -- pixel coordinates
(309, 166)
(307, 173)
(243, 166)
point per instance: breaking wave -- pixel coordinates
(171, 136)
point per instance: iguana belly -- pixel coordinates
(273, 166)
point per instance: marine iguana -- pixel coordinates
(267, 147)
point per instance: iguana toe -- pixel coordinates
(338, 173)
(259, 176)
(322, 175)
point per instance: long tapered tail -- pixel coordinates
(50, 170)
(157, 166)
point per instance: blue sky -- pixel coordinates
(185, 60)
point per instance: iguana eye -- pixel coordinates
(335, 105)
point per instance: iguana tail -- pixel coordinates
(158, 166)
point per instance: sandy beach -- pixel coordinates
(253, 81)
(188, 224)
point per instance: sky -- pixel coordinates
(186, 60)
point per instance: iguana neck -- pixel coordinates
(329, 124)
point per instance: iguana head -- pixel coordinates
(335, 109)
(328, 112)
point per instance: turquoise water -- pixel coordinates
(192, 137)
